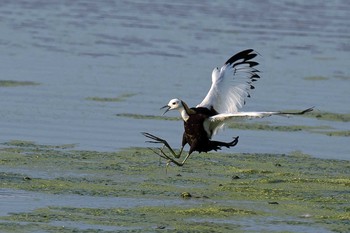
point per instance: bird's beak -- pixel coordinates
(167, 109)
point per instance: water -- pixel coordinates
(13, 201)
(17, 200)
(161, 50)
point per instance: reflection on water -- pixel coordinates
(157, 51)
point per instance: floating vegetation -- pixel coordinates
(147, 117)
(329, 116)
(268, 127)
(326, 130)
(12, 83)
(203, 191)
(315, 78)
(111, 99)
(322, 78)
(340, 133)
(30, 144)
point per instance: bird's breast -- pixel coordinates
(194, 127)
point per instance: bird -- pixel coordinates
(231, 86)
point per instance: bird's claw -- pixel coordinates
(235, 141)
(161, 152)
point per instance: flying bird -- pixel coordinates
(231, 85)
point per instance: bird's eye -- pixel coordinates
(173, 103)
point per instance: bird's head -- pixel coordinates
(174, 104)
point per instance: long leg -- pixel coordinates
(165, 143)
(180, 164)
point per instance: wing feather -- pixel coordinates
(232, 83)
(214, 123)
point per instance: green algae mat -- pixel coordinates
(59, 189)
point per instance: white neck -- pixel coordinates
(184, 115)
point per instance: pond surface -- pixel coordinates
(152, 52)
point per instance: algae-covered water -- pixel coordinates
(81, 79)
(57, 189)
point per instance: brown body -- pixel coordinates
(195, 134)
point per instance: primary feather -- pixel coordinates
(232, 83)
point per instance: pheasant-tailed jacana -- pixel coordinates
(231, 84)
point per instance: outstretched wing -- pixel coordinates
(217, 122)
(232, 83)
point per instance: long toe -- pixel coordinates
(155, 138)
(234, 142)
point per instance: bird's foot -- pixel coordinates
(161, 152)
(234, 142)
(163, 155)
(154, 138)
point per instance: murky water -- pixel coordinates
(161, 50)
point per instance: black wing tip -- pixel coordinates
(308, 110)
(245, 55)
(254, 77)
(299, 113)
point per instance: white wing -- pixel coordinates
(214, 123)
(232, 83)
